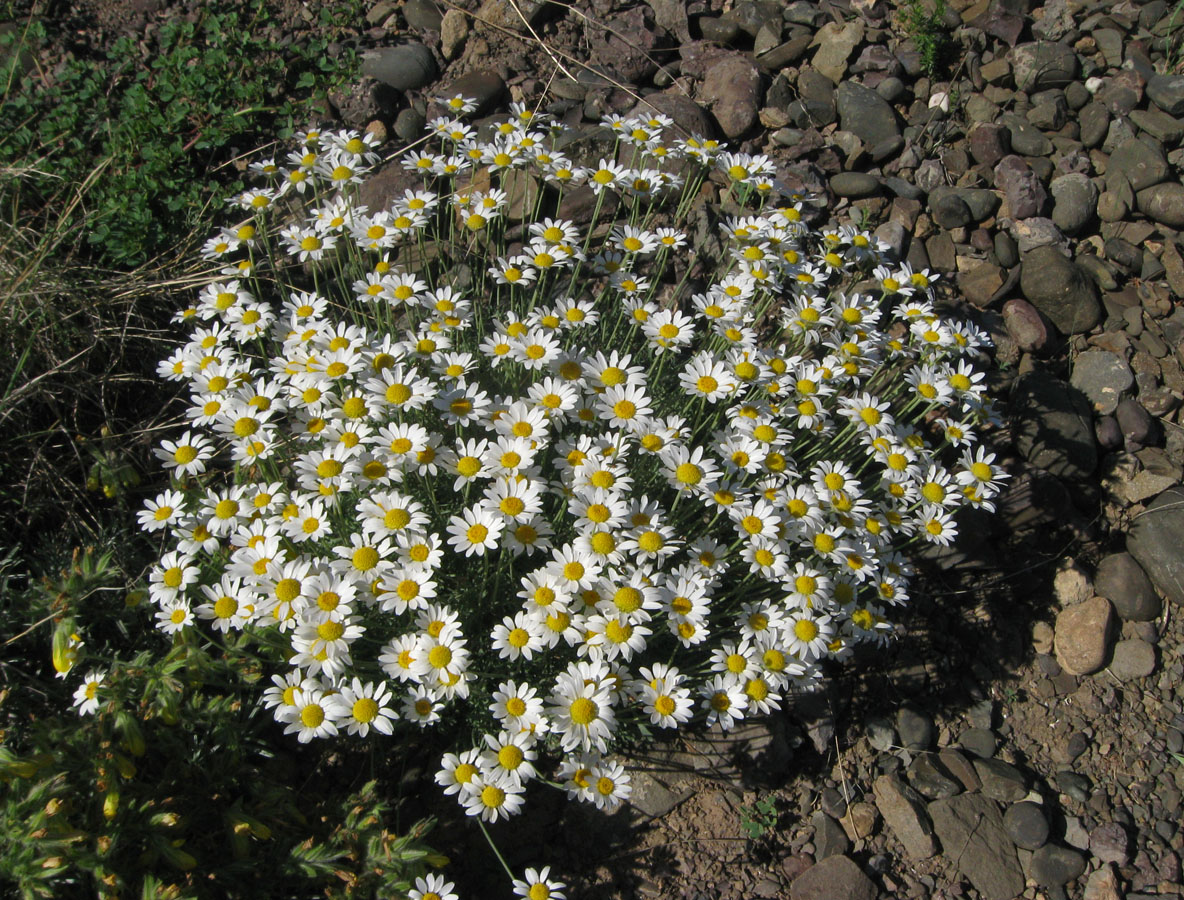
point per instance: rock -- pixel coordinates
(866, 113)
(835, 45)
(1026, 138)
(1123, 582)
(1006, 250)
(720, 31)
(1103, 377)
(405, 68)
(454, 29)
(1060, 290)
(1138, 428)
(1155, 539)
(960, 767)
(1082, 636)
(1167, 92)
(1164, 203)
(1025, 325)
(1109, 42)
(1094, 122)
(835, 878)
(1027, 825)
(1053, 866)
(1110, 843)
(1054, 426)
(625, 43)
(1141, 161)
(1001, 781)
(1132, 659)
(654, 797)
(409, 125)
(829, 837)
(1023, 194)
(1075, 199)
(423, 15)
(982, 742)
(365, 101)
(948, 209)
(1112, 207)
(1076, 787)
(989, 142)
(1102, 884)
(904, 812)
(1043, 64)
(1049, 115)
(881, 734)
(1037, 232)
(930, 779)
(518, 16)
(854, 185)
(915, 728)
(1164, 128)
(980, 284)
(484, 86)
(970, 829)
(860, 821)
(732, 90)
(686, 113)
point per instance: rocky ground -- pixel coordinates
(1024, 735)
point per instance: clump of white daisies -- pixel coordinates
(460, 434)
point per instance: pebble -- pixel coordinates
(1102, 884)
(409, 125)
(1103, 377)
(454, 30)
(1075, 201)
(1082, 636)
(904, 812)
(1167, 92)
(1132, 659)
(1164, 203)
(1155, 539)
(406, 67)
(960, 767)
(930, 779)
(1075, 786)
(979, 741)
(835, 44)
(829, 837)
(1053, 866)
(732, 88)
(854, 185)
(867, 114)
(1027, 825)
(1123, 582)
(1060, 289)
(1001, 780)
(1043, 64)
(985, 855)
(1023, 193)
(1110, 843)
(1094, 124)
(860, 821)
(1141, 162)
(915, 728)
(835, 878)
(1138, 427)
(484, 86)
(422, 14)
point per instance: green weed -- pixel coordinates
(922, 21)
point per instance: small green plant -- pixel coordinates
(759, 819)
(923, 21)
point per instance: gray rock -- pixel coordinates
(483, 86)
(948, 209)
(1159, 125)
(1001, 781)
(930, 778)
(1141, 161)
(1026, 138)
(1138, 428)
(970, 829)
(1023, 193)
(1155, 539)
(1054, 430)
(1103, 377)
(915, 728)
(423, 14)
(960, 767)
(409, 125)
(1123, 582)
(866, 113)
(989, 142)
(1110, 843)
(1082, 636)
(454, 29)
(1164, 203)
(1027, 825)
(829, 837)
(1060, 290)
(1094, 121)
(1050, 115)
(1112, 207)
(1167, 92)
(835, 878)
(733, 90)
(1043, 64)
(904, 811)
(835, 46)
(1075, 199)
(854, 185)
(1037, 232)
(1132, 659)
(1025, 325)
(686, 113)
(982, 742)
(1053, 866)
(1110, 43)
(1006, 250)
(721, 31)
(519, 16)
(1102, 884)
(654, 797)
(881, 733)
(405, 68)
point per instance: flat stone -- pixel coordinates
(1110, 843)
(989, 142)
(519, 16)
(1167, 92)
(1163, 203)
(1155, 539)
(1075, 200)
(454, 30)
(835, 45)
(904, 811)
(834, 878)
(405, 68)
(1103, 377)
(1141, 161)
(1026, 138)
(1122, 581)
(980, 284)
(930, 778)
(860, 821)
(1102, 884)
(865, 113)
(1060, 289)
(982, 742)
(1053, 866)
(1094, 121)
(854, 185)
(1082, 636)
(484, 86)
(732, 89)
(960, 767)
(970, 829)
(1043, 64)
(1027, 825)
(1159, 125)
(1054, 428)
(1133, 659)
(829, 837)
(915, 728)
(423, 14)
(1001, 780)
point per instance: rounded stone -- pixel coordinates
(1164, 203)
(1060, 289)
(1110, 843)
(915, 729)
(1133, 659)
(1026, 825)
(979, 741)
(854, 185)
(1122, 581)
(1053, 866)
(409, 125)
(405, 68)
(1082, 636)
